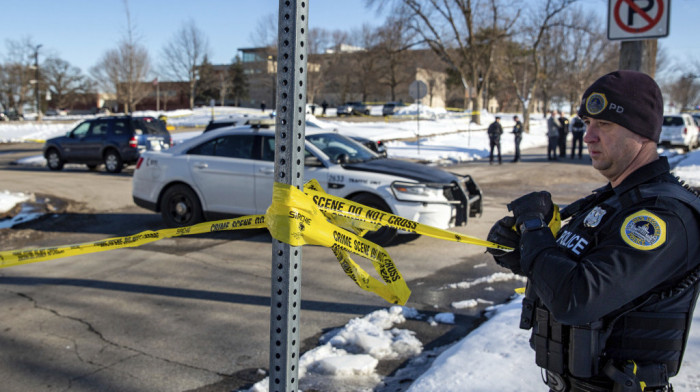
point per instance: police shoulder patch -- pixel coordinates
(643, 230)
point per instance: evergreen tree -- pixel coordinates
(239, 81)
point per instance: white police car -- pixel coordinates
(229, 171)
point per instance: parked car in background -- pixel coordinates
(390, 108)
(12, 115)
(229, 171)
(56, 112)
(679, 130)
(696, 117)
(352, 108)
(115, 141)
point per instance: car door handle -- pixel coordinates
(201, 165)
(267, 170)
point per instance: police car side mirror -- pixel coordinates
(312, 161)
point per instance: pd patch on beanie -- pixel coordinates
(628, 98)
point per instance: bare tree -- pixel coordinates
(329, 68)
(125, 69)
(265, 32)
(525, 66)
(18, 73)
(589, 54)
(464, 34)
(64, 81)
(684, 92)
(318, 70)
(395, 39)
(183, 55)
(365, 61)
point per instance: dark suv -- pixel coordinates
(353, 108)
(115, 141)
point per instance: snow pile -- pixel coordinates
(688, 169)
(493, 278)
(494, 357)
(425, 111)
(200, 117)
(348, 356)
(26, 131)
(9, 199)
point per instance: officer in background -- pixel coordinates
(563, 133)
(553, 125)
(578, 128)
(518, 134)
(610, 297)
(495, 131)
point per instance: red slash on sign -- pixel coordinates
(635, 9)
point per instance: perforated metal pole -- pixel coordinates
(285, 307)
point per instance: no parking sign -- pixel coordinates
(638, 19)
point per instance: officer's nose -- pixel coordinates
(591, 135)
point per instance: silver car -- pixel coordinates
(679, 130)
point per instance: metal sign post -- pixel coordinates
(285, 298)
(417, 90)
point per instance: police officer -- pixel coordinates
(495, 131)
(578, 128)
(518, 136)
(610, 296)
(563, 131)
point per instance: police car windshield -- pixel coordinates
(335, 145)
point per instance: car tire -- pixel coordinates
(180, 206)
(54, 160)
(385, 235)
(113, 161)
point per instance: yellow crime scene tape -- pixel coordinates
(297, 218)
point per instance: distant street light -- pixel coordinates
(36, 82)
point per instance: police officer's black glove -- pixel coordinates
(502, 233)
(532, 205)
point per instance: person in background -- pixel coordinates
(553, 125)
(495, 131)
(610, 296)
(518, 134)
(578, 128)
(563, 133)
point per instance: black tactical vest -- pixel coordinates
(652, 330)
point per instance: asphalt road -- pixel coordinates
(192, 313)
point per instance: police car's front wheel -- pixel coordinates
(180, 206)
(385, 235)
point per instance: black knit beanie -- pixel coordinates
(628, 98)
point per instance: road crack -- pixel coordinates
(100, 336)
